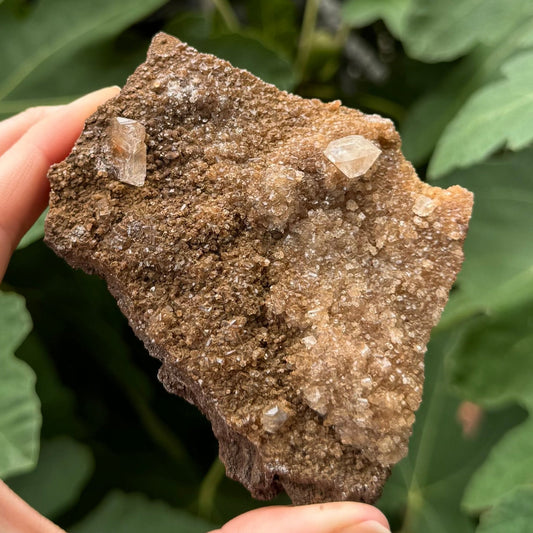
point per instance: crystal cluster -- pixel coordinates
(128, 149)
(290, 302)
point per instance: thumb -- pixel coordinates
(339, 517)
(16, 516)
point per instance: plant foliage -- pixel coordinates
(19, 406)
(133, 513)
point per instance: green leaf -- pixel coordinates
(425, 489)
(492, 364)
(35, 233)
(58, 403)
(277, 22)
(55, 30)
(20, 417)
(95, 66)
(509, 465)
(498, 270)
(15, 323)
(513, 514)
(430, 115)
(360, 13)
(242, 50)
(442, 30)
(134, 513)
(63, 469)
(498, 115)
(251, 54)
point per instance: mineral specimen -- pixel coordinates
(290, 302)
(353, 154)
(128, 149)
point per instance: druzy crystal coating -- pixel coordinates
(289, 302)
(353, 155)
(128, 150)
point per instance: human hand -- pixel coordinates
(336, 517)
(17, 516)
(29, 143)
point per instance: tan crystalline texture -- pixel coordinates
(289, 300)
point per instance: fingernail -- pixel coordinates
(113, 87)
(366, 527)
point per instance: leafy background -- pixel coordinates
(90, 438)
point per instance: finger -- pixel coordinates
(23, 168)
(339, 517)
(16, 516)
(12, 129)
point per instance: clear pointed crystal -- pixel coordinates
(129, 150)
(352, 155)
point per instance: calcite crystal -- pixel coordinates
(290, 302)
(353, 155)
(128, 150)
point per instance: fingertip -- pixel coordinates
(88, 103)
(317, 518)
(351, 511)
(100, 95)
(371, 526)
(23, 184)
(55, 135)
(354, 514)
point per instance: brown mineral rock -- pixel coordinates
(282, 260)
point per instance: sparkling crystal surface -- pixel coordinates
(128, 150)
(353, 155)
(423, 206)
(291, 303)
(273, 418)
